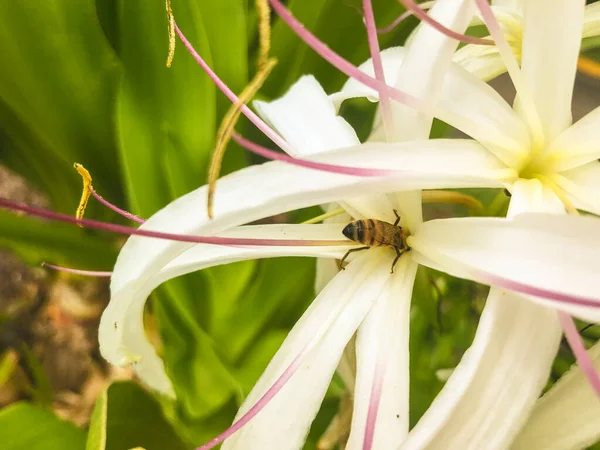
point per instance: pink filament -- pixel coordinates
(422, 15)
(260, 404)
(581, 354)
(87, 273)
(344, 170)
(405, 15)
(122, 229)
(115, 208)
(384, 100)
(374, 401)
(342, 64)
(260, 124)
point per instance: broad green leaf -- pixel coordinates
(276, 297)
(53, 242)
(126, 416)
(59, 84)
(26, 427)
(202, 381)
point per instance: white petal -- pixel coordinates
(382, 346)
(466, 102)
(251, 194)
(306, 118)
(122, 337)
(490, 393)
(485, 63)
(591, 20)
(326, 327)
(327, 268)
(552, 31)
(567, 416)
(428, 56)
(578, 144)
(582, 185)
(515, 5)
(545, 252)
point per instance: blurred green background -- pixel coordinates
(86, 82)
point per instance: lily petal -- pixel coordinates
(490, 393)
(306, 118)
(553, 253)
(567, 416)
(578, 144)
(582, 185)
(428, 56)
(552, 31)
(321, 336)
(382, 384)
(591, 20)
(466, 102)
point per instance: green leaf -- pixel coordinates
(127, 416)
(58, 243)
(66, 115)
(26, 427)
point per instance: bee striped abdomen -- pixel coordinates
(376, 233)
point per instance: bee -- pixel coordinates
(376, 233)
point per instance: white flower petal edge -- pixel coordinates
(306, 107)
(567, 417)
(549, 60)
(466, 103)
(320, 337)
(502, 373)
(382, 363)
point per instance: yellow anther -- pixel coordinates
(588, 66)
(227, 125)
(264, 32)
(322, 217)
(85, 194)
(172, 40)
(452, 197)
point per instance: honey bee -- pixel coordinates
(376, 233)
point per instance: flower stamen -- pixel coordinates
(171, 29)
(423, 16)
(405, 15)
(87, 273)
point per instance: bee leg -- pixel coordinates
(340, 266)
(398, 254)
(397, 218)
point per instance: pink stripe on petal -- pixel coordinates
(422, 15)
(122, 229)
(384, 100)
(581, 354)
(342, 64)
(260, 124)
(260, 404)
(115, 208)
(517, 286)
(343, 170)
(374, 405)
(88, 273)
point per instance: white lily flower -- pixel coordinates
(486, 62)
(365, 296)
(553, 161)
